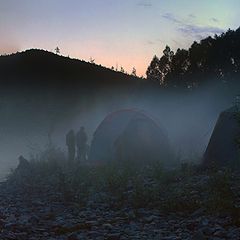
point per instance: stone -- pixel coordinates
(198, 236)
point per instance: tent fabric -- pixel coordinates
(222, 150)
(128, 134)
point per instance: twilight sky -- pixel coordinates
(125, 32)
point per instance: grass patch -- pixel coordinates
(180, 190)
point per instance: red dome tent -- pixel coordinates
(129, 134)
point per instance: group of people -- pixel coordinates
(77, 144)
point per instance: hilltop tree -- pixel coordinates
(160, 68)
(179, 66)
(153, 72)
(212, 59)
(134, 72)
(92, 61)
(57, 50)
(165, 64)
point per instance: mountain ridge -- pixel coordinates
(56, 69)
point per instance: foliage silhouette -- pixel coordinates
(216, 58)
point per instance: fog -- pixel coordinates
(188, 117)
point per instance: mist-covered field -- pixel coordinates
(188, 118)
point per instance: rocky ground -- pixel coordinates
(43, 213)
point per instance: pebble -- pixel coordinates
(42, 216)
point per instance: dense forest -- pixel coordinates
(214, 59)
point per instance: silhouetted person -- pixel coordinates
(82, 144)
(23, 171)
(70, 142)
(24, 165)
(23, 162)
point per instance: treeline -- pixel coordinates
(212, 59)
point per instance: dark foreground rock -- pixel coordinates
(37, 215)
(49, 200)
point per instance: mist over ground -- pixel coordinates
(188, 117)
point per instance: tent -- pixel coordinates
(223, 150)
(129, 134)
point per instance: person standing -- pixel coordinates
(81, 144)
(70, 142)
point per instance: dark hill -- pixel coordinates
(42, 68)
(40, 89)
